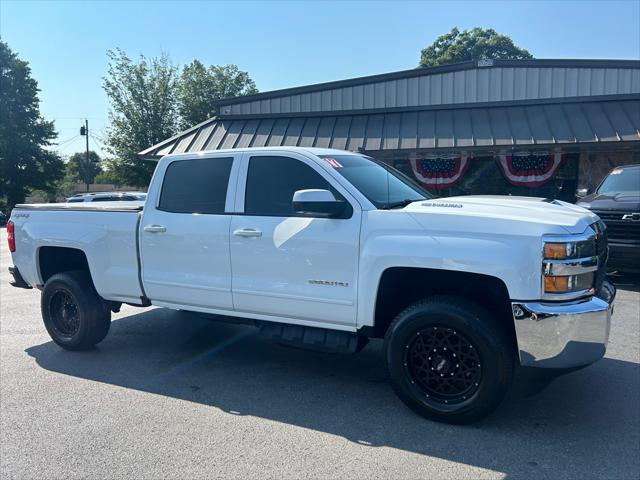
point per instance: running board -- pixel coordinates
(311, 338)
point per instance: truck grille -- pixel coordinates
(619, 230)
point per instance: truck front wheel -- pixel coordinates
(448, 359)
(74, 314)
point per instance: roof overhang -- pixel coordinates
(567, 123)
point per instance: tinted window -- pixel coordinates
(196, 186)
(272, 181)
(105, 199)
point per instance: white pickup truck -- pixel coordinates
(325, 249)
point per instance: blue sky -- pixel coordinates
(282, 44)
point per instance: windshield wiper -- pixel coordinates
(400, 204)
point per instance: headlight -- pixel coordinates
(565, 250)
(569, 283)
(569, 267)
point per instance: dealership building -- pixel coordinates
(521, 127)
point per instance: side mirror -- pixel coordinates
(318, 203)
(582, 192)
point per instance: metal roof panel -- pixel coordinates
(391, 132)
(487, 126)
(248, 132)
(293, 132)
(341, 133)
(357, 132)
(373, 135)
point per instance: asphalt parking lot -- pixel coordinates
(169, 395)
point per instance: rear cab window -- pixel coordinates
(196, 186)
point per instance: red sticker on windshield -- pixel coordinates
(617, 171)
(333, 162)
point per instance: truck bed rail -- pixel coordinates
(85, 207)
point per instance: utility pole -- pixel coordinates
(85, 131)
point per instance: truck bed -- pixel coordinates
(106, 232)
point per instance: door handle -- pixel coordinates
(155, 228)
(247, 232)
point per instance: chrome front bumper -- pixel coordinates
(564, 335)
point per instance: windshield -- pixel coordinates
(621, 180)
(384, 186)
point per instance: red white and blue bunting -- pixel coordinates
(442, 170)
(529, 169)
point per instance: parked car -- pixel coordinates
(107, 197)
(617, 202)
(325, 249)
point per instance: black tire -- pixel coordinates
(432, 380)
(74, 314)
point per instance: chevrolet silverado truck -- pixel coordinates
(326, 249)
(617, 202)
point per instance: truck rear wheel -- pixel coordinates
(74, 314)
(448, 359)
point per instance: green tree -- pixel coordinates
(199, 87)
(25, 163)
(475, 44)
(79, 170)
(108, 174)
(142, 97)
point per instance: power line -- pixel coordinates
(98, 140)
(98, 145)
(68, 140)
(67, 145)
(98, 137)
(78, 118)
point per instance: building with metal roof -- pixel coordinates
(535, 127)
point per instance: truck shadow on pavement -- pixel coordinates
(566, 427)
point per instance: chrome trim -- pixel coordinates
(577, 295)
(573, 266)
(591, 233)
(564, 335)
(634, 217)
(588, 234)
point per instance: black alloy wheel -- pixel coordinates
(65, 317)
(449, 359)
(444, 364)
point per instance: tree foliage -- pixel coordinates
(79, 170)
(149, 101)
(199, 87)
(107, 175)
(25, 163)
(143, 112)
(474, 44)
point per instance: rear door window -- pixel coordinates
(196, 186)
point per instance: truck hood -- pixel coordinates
(538, 214)
(623, 201)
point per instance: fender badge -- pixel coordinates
(330, 283)
(442, 204)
